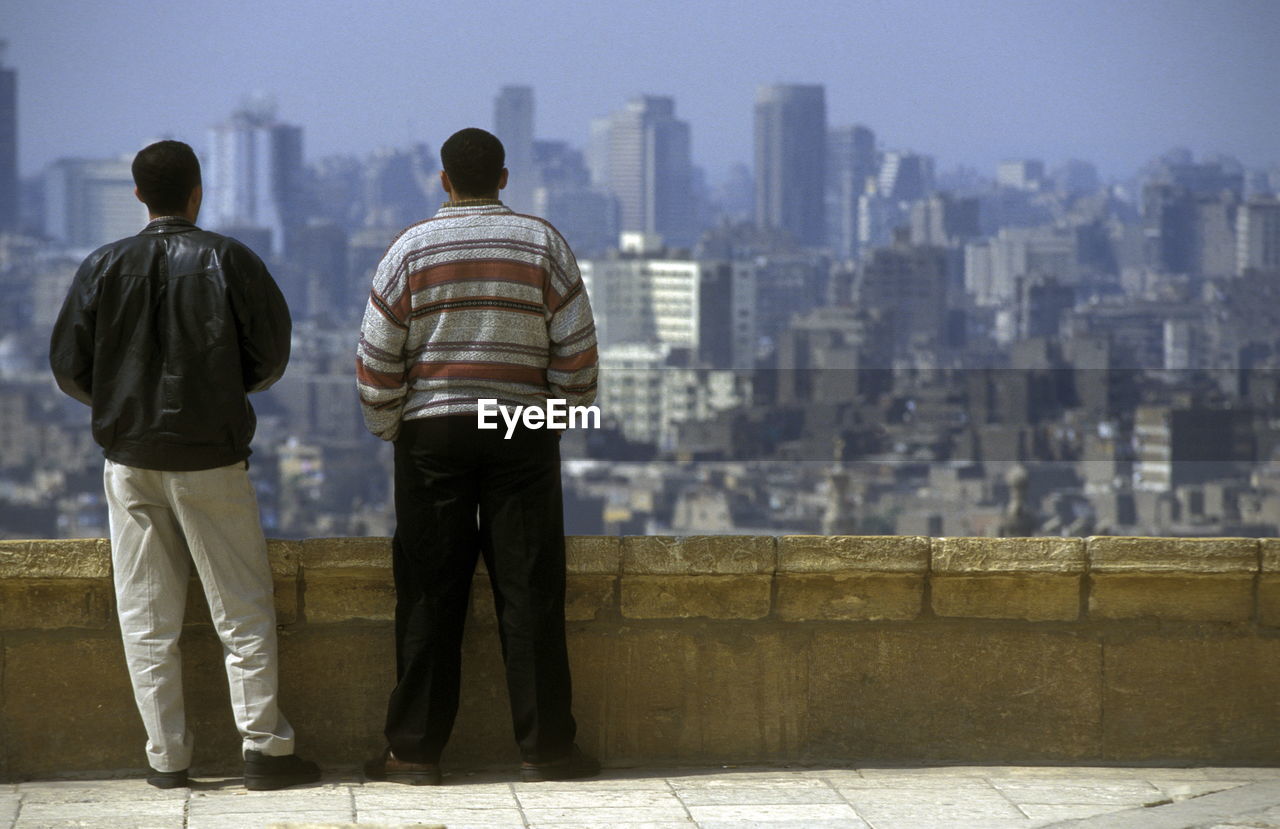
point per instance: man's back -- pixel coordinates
(163, 334)
(475, 302)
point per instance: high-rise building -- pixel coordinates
(851, 161)
(513, 124)
(1258, 236)
(253, 175)
(906, 176)
(8, 144)
(1021, 174)
(90, 202)
(642, 155)
(790, 160)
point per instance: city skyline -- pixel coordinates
(969, 84)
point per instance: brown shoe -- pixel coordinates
(573, 766)
(390, 769)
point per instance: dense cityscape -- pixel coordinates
(839, 337)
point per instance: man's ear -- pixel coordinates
(502, 179)
(138, 194)
(445, 183)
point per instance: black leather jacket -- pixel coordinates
(163, 334)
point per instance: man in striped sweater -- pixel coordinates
(476, 303)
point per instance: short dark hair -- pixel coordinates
(166, 172)
(473, 159)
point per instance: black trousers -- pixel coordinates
(462, 492)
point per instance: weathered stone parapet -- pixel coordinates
(718, 649)
(1269, 582)
(849, 578)
(1032, 579)
(1186, 579)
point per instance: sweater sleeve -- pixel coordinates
(571, 372)
(381, 365)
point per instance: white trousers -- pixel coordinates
(162, 523)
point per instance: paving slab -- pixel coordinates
(598, 798)
(450, 817)
(1049, 791)
(809, 813)
(607, 816)
(758, 796)
(1237, 806)
(263, 820)
(399, 796)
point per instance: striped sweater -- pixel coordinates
(475, 302)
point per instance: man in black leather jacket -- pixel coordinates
(163, 334)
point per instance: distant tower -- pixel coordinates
(790, 148)
(906, 176)
(90, 202)
(643, 157)
(1258, 236)
(513, 124)
(851, 160)
(253, 175)
(8, 144)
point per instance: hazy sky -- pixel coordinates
(1112, 81)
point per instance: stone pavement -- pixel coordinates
(981, 797)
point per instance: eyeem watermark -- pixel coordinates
(557, 415)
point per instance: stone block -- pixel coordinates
(874, 553)
(941, 692)
(593, 554)
(1008, 555)
(589, 596)
(698, 555)
(72, 558)
(68, 705)
(1032, 597)
(340, 594)
(49, 603)
(848, 596)
(285, 556)
(334, 684)
(1120, 554)
(1192, 699)
(1269, 583)
(690, 695)
(284, 590)
(1190, 598)
(687, 597)
(345, 552)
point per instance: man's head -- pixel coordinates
(167, 179)
(472, 160)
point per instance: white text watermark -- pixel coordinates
(557, 415)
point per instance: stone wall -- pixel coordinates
(720, 650)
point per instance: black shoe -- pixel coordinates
(390, 769)
(574, 765)
(264, 773)
(168, 779)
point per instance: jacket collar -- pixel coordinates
(168, 224)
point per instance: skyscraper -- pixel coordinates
(8, 144)
(253, 175)
(851, 160)
(513, 124)
(90, 202)
(790, 149)
(642, 156)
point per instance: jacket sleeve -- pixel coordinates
(571, 372)
(71, 346)
(262, 318)
(382, 369)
